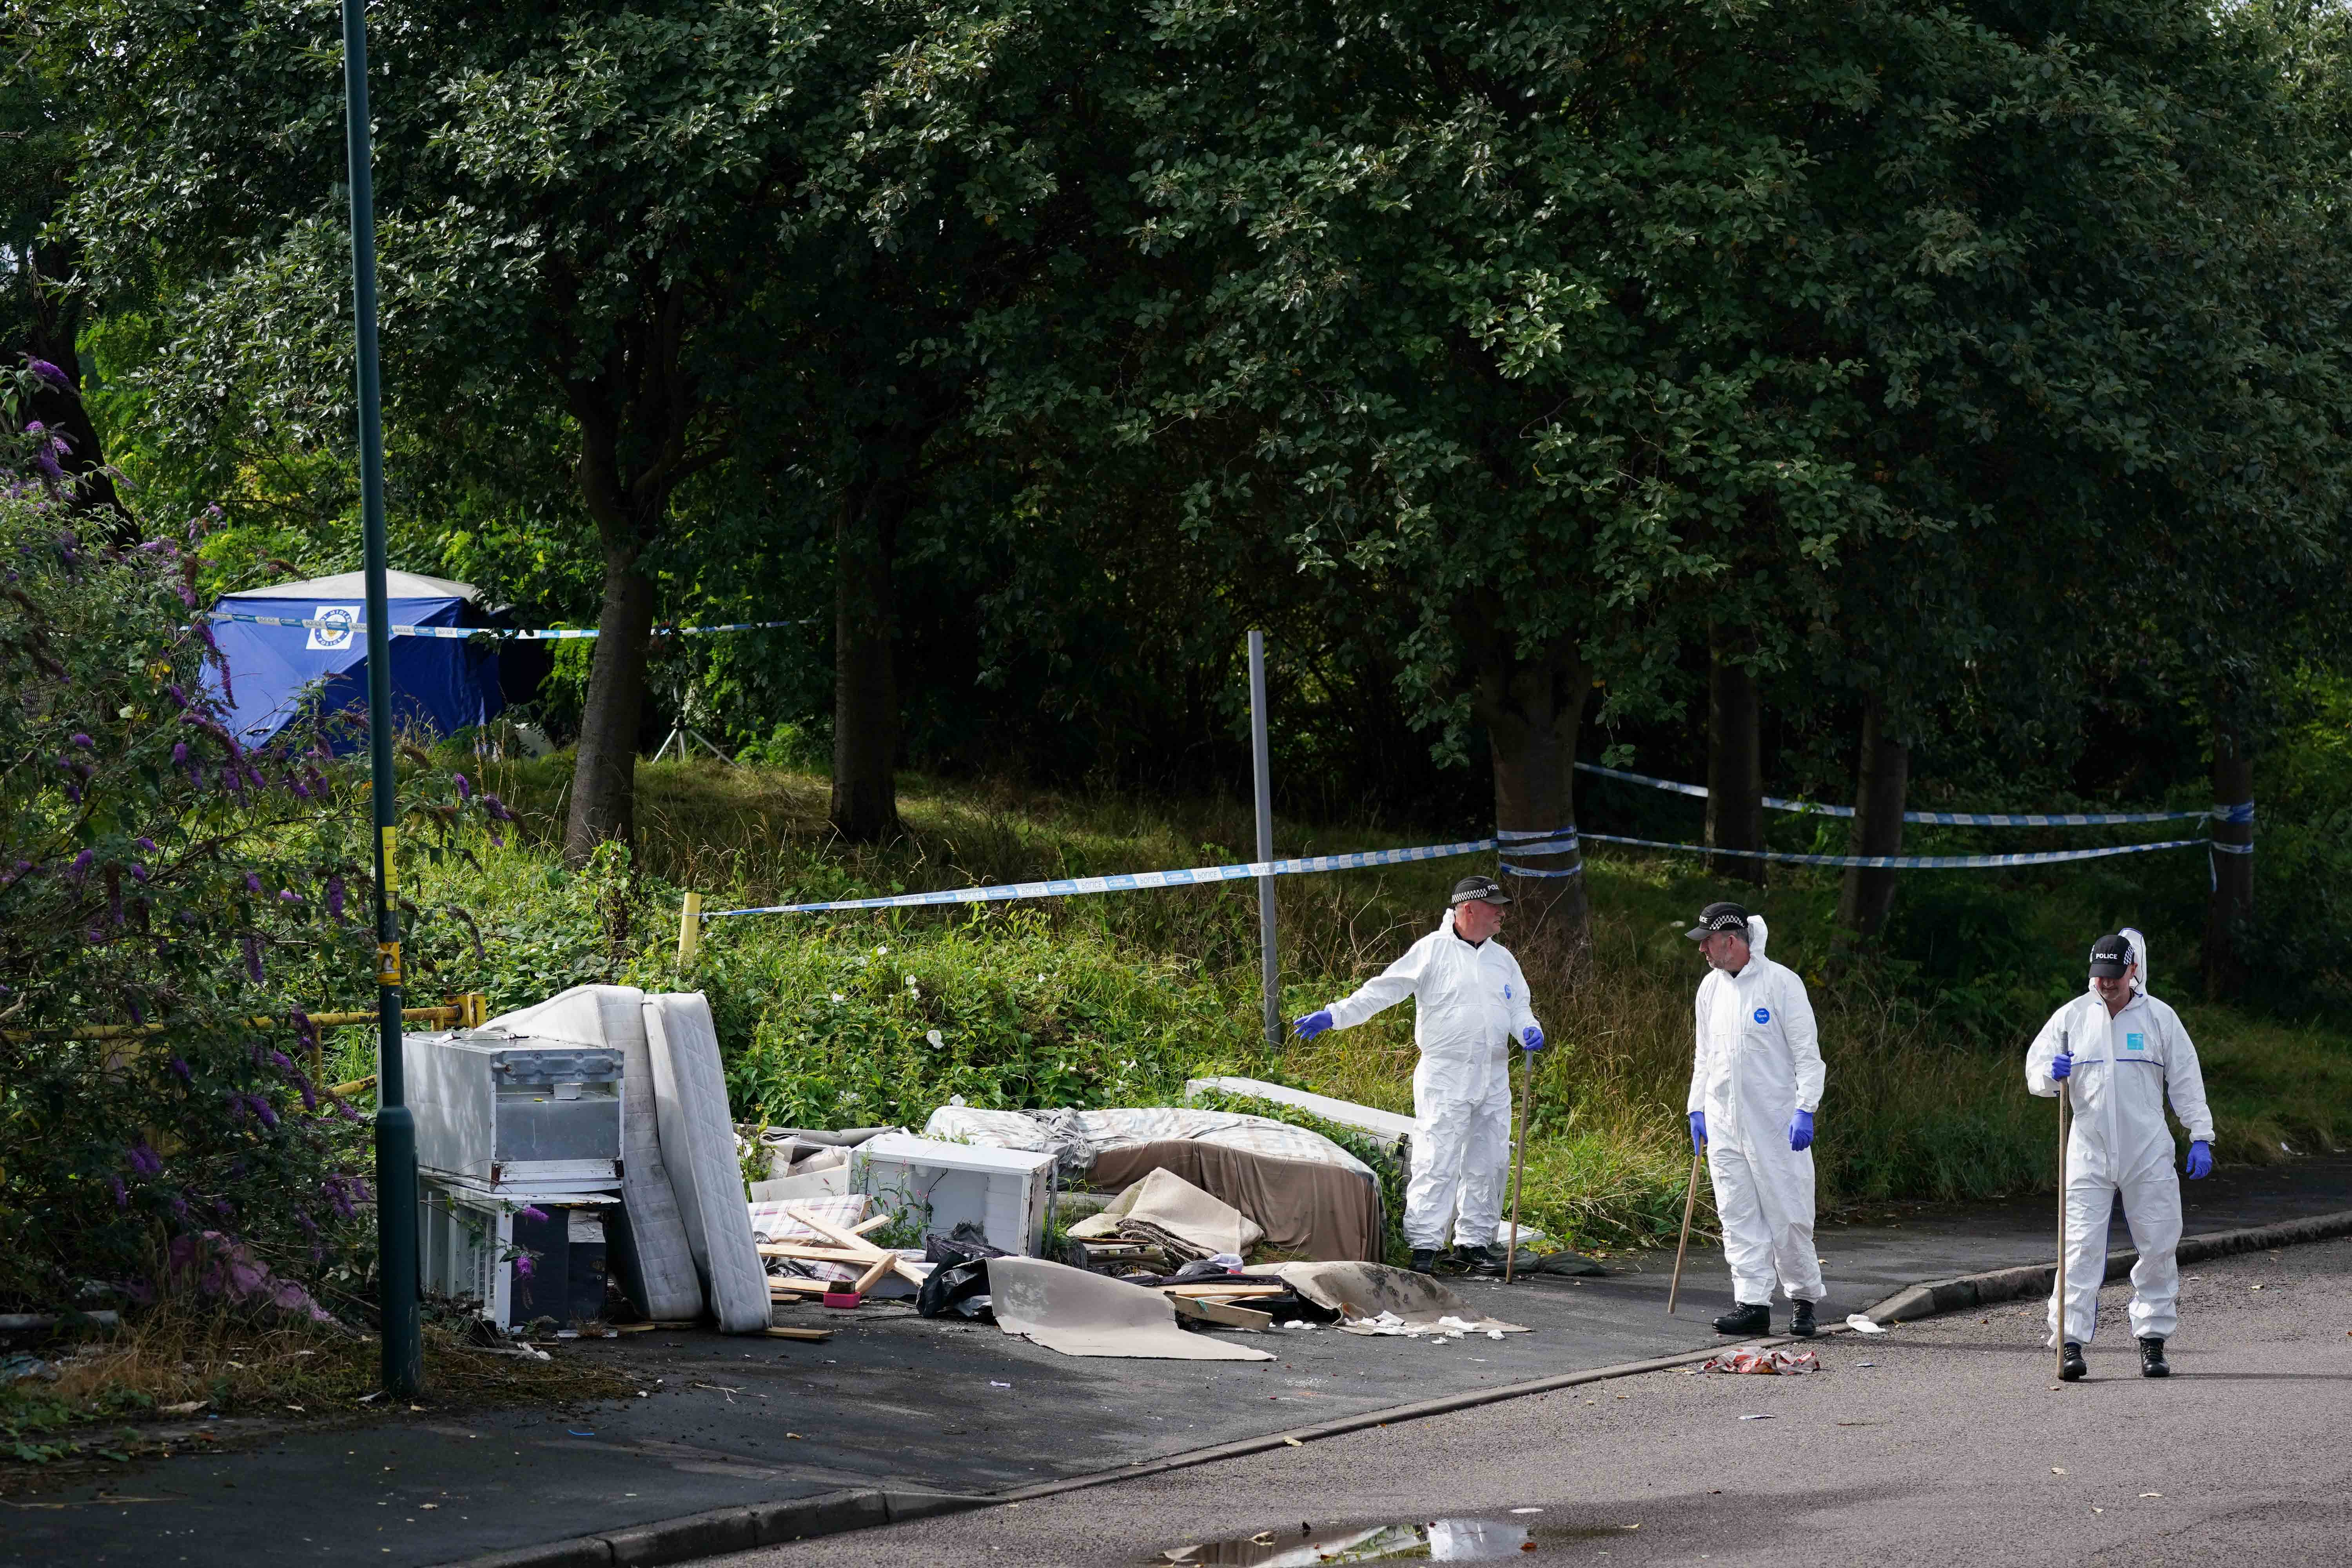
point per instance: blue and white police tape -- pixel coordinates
(459, 634)
(1129, 881)
(1548, 841)
(1910, 862)
(1943, 818)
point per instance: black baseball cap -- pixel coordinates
(2111, 955)
(1477, 890)
(1719, 917)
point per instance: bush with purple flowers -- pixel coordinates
(171, 902)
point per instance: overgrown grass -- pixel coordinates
(867, 1018)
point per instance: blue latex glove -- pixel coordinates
(2061, 1067)
(1801, 1131)
(2200, 1160)
(1532, 1037)
(1314, 1024)
(1698, 1128)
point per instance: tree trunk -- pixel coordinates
(1532, 709)
(604, 770)
(2232, 902)
(1735, 762)
(865, 672)
(1882, 778)
(52, 335)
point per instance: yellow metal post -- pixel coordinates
(689, 930)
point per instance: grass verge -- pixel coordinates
(874, 1017)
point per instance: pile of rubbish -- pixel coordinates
(591, 1134)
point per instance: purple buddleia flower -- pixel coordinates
(179, 753)
(80, 869)
(122, 1193)
(496, 808)
(145, 1161)
(464, 790)
(280, 1061)
(47, 371)
(253, 881)
(532, 1211)
(335, 897)
(262, 1109)
(524, 1267)
(178, 696)
(138, 872)
(146, 844)
(181, 1066)
(138, 1014)
(82, 740)
(289, 895)
(252, 945)
(309, 1095)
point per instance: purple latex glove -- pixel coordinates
(1801, 1131)
(2200, 1160)
(1314, 1024)
(1532, 1037)
(2062, 1067)
(1698, 1128)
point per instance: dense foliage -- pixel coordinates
(174, 905)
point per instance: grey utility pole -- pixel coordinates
(1262, 767)
(395, 1129)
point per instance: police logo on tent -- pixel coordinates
(1763, 1015)
(333, 632)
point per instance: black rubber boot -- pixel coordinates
(1752, 1322)
(2069, 1367)
(1425, 1260)
(2151, 1358)
(1483, 1261)
(1800, 1320)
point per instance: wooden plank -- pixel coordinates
(812, 1335)
(827, 1229)
(1222, 1312)
(874, 1222)
(883, 1265)
(1201, 1288)
(816, 1252)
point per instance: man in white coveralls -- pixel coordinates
(2118, 1051)
(1472, 1008)
(1756, 1082)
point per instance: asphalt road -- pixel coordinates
(1958, 1445)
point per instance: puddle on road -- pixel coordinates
(1431, 1540)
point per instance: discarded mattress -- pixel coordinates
(1077, 1137)
(1165, 1209)
(1361, 1292)
(698, 1139)
(1078, 1313)
(1312, 1197)
(645, 1238)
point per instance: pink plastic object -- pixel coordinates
(843, 1299)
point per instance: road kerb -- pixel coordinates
(1966, 1291)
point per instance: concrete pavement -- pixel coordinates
(1945, 1441)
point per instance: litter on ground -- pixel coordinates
(1862, 1325)
(1768, 1363)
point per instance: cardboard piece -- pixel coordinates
(1078, 1313)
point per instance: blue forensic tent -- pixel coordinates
(440, 684)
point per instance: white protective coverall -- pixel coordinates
(1758, 1063)
(2124, 1067)
(1472, 1006)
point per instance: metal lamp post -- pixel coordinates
(395, 1129)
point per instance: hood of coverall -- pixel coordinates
(2139, 957)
